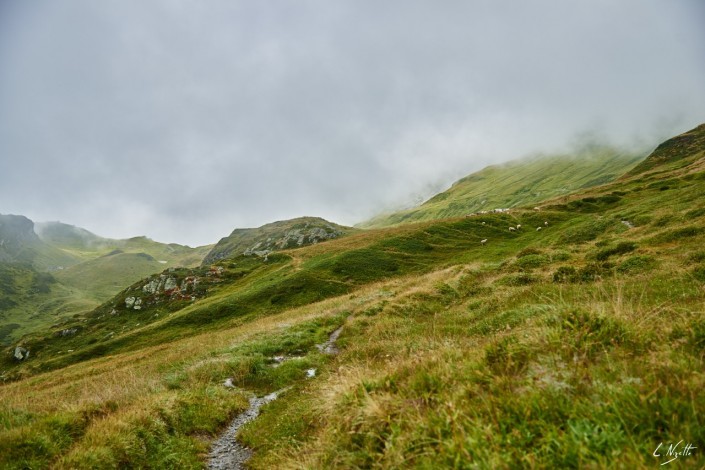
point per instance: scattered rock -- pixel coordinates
(129, 302)
(67, 332)
(279, 360)
(310, 373)
(21, 354)
(229, 383)
(170, 284)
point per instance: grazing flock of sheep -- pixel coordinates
(514, 229)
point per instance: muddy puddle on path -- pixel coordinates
(228, 454)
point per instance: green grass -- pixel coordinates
(520, 183)
(578, 346)
(93, 270)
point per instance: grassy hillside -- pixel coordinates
(580, 345)
(20, 244)
(72, 239)
(276, 236)
(103, 277)
(77, 270)
(518, 183)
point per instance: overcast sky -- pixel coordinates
(182, 120)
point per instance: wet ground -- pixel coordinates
(228, 454)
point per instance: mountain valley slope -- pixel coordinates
(518, 183)
(51, 271)
(575, 340)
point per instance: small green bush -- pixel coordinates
(532, 261)
(593, 272)
(619, 249)
(699, 273)
(514, 280)
(565, 274)
(529, 251)
(641, 220)
(507, 356)
(585, 232)
(637, 264)
(693, 213)
(589, 334)
(678, 234)
(697, 340)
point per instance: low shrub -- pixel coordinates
(637, 264)
(565, 274)
(619, 249)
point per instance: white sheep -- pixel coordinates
(546, 223)
(538, 228)
(518, 226)
(511, 229)
(483, 223)
(483, 241)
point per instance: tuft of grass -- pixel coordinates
(637, 264)
(619, 249)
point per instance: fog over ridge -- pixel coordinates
(182, 120)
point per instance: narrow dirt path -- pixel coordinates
(329, 347)
(228, 454)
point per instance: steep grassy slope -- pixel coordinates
(679, 152)
(580, 345)
(31, 300)
(518, 183)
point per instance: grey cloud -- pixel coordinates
(185, 119)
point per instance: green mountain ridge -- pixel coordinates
(53, 270)
(574, 340)
(20, 244)
(518, 183)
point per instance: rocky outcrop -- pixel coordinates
(67, 332)
(133, 303)
(174, 284)
(276, 236)
(160, 284)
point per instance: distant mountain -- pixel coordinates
(52, 270)
(276, 236)
(69, 237)
(128, 261)
(517, 183)
(20, 244)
